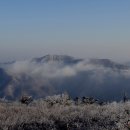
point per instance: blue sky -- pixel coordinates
(81, 28)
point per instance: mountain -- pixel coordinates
(54, 74)
(5, 64)
(108, 63)
(5, 79)
(62, 59)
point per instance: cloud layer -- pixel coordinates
(80, 79)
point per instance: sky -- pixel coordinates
(80, 28)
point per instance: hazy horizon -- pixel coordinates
(83, 29)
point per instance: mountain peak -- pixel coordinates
(56, 58)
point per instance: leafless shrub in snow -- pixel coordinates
(26, 100)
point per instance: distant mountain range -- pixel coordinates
(53, 74)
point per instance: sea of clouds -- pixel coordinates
(80, 79)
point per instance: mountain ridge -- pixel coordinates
(56, 58)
